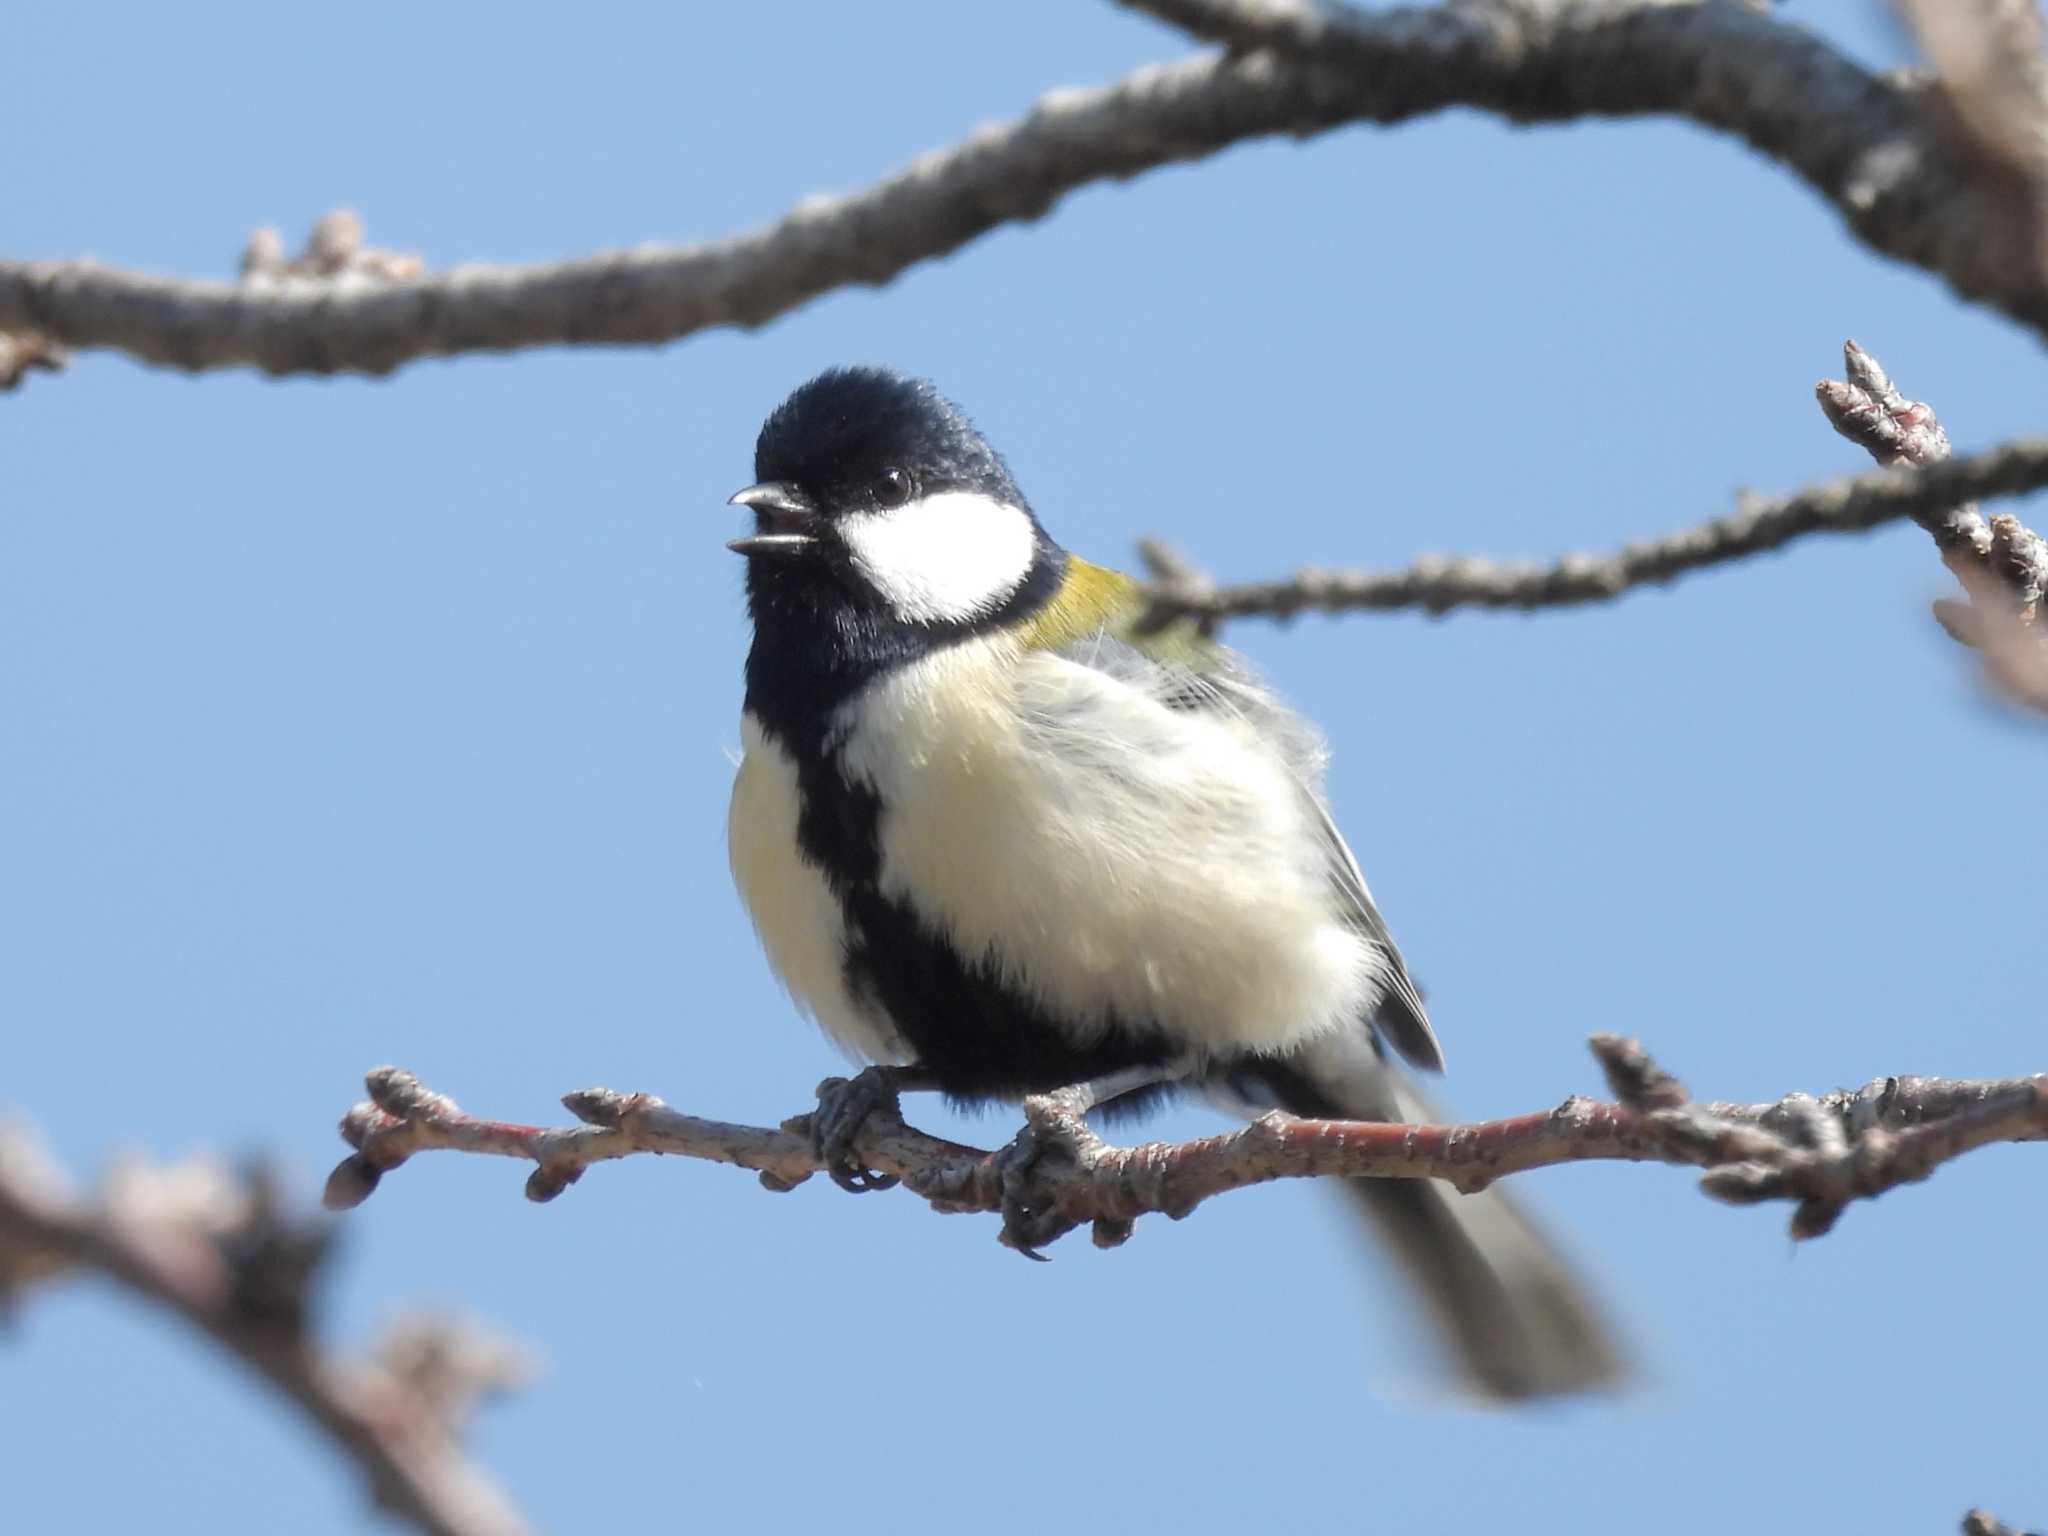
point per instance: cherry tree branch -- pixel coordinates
(23, 352)
(1866, 145)
(1873, 147)
(221, 1252)
(2001, 563)
(1437, 584)
(1994, 85)
(1981, 1522)
(1819, 1154)
(1985, 553)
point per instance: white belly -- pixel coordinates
(794, 911)
(1111, 856)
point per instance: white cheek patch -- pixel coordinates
(945, 558)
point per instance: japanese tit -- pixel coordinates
(991, 833)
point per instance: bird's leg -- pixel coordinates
(1056, 1141)
(844, 1105)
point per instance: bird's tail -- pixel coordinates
(1516, 1320)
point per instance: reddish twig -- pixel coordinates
(1819, 1154)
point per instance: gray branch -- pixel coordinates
(22, 352)
(1997, 553)
(1981, 1522)
(1885, 152)
(1437, 584)
(220, 1251)
(1820, 1154)
(2001, 563)
(1866, 145)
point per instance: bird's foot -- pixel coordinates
(845, 1105)
(1055, 1144)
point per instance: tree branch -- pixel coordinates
(1820, 1154)
(1994, 84)
(1985, 553)
(1903, 178)
(2001, 563)
(220, 1252)
(21, 352)
(1866, 145)
(1981, 1522)
(1851, 504)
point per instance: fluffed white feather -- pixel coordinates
(1111, 856)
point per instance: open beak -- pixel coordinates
(785, 522)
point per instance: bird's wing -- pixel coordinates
(1097, 626)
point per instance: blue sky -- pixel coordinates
(345, 722)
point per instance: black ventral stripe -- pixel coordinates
(979, 1037)
(814, 652)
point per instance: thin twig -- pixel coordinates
(1864, 144)
(221, 1252)
(1437, 584)
(1820, 1154)
(2001, 563)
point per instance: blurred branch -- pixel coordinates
(1850, 504)
(2001, 563)
(1987, 55)
(1981, 1522)
(336, 249)
(1819, 1154)
(1868, 146)
(220, 1251)
(23, 351)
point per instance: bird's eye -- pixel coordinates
(892, 488)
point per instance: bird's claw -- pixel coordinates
(1055, 1143)
(845, 1105)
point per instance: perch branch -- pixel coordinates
(1866, 145)
(221, 1252)
(1819, 1154)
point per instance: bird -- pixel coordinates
(998, 836)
